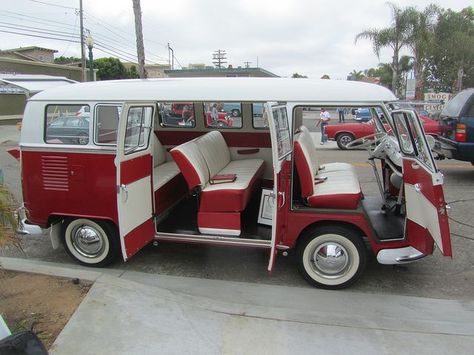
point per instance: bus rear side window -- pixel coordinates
(106, 124)
(67, 124)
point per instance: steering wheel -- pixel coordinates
(366, 141)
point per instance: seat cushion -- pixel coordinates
(164, 173)
(340, 190)
(233, 196)
(336, 167)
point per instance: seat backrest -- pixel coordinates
(215, 151)
(302, 153)
(309, 143)
(159, 153)
(192, 164)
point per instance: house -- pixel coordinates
(219, 72)
(31, 53)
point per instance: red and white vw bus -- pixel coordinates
(132, 175)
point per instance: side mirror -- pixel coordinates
(431, 141)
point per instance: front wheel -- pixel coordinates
(343, 140)
(90, 243)
(331, 257)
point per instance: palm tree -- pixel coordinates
(356, 75)
(394, 37)
(421, 27)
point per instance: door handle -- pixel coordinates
(124, 190)
(418, 188)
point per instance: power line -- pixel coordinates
(33, 19)
(38, 36)
(34, 29)
(51, 4)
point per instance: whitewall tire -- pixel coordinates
(331, 257)
(88, 242)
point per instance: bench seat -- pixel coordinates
(232, 196)
(220, 205)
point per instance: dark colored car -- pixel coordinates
(457, 119)
(68, 130)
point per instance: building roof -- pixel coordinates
(221, 89)
(29, 48)
(33, 83)
(205, 72)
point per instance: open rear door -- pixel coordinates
(423, 183)
(134, 177)
(281, 148)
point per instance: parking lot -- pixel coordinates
(434, 276)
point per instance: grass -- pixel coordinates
(8, 220)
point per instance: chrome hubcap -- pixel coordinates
(88, 241)
(330, 259)
(345, 140)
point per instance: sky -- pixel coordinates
(309, 37)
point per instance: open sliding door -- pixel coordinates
(134, 177)
(281, 149)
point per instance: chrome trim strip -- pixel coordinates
(213, 239)
(65, 149)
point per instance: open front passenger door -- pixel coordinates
(425, 205)
(134, 177)
(281, 148)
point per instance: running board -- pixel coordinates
(217, 239)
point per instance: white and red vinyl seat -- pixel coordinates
(333, 185)
(220, 205)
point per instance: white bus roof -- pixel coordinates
(220, 89)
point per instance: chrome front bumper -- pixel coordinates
(399, 256)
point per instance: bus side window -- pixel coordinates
(106, 124)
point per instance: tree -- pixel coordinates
(419, 40)
(356, 75)
(325, 76)
(66, 60)
(451, 62)
(394, 37)
(296, 75)
(110, 68)
(133, 73)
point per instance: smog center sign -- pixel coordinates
(439, 101)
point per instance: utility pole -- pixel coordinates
(247, 64)
(218, 58)
(170, 57)
(139, 33)
(83, 54)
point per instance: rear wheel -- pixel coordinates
(331, 257)
(343, 140)
(91, 243)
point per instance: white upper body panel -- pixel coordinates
(220, 89)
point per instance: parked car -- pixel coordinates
(345, 133)
(68, 129)
(363, 114)
(457, 120)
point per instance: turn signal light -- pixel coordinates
(460, 133)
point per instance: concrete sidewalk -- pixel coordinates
(136, 313)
